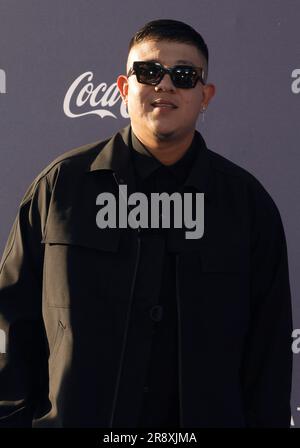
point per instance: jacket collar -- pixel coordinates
(115, 156)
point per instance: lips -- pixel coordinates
(163, 103)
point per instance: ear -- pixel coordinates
(209, 91)
(122, 83)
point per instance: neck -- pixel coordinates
(168, 150)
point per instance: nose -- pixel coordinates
(165, 84)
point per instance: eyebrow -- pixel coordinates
(179, 61)
(182, 61)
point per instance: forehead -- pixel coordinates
(165, 52)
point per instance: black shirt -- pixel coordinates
(160, 402)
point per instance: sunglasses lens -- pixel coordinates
(148, 73)
(184, 77)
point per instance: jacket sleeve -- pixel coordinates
(23, 365)
(267, 366)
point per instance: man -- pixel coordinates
(140, 326)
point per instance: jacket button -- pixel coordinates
(156, 313)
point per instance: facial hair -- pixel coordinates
(164, 136)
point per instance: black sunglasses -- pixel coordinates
(151, 73)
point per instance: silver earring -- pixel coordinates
(203, 113)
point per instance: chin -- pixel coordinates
(164, 134)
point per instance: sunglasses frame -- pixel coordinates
(134, 70)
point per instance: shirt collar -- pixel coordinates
(115, 155)
(145, 163)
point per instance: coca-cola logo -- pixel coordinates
(98, 99)
(2, 81)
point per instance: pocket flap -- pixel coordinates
(76, 234)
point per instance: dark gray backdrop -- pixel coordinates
(253, 120)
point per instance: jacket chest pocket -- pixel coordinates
(79, 271)
(223, 293)
(226, 286)
(225, 274)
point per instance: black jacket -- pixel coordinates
(66, 291)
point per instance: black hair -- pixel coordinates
(171, 30)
